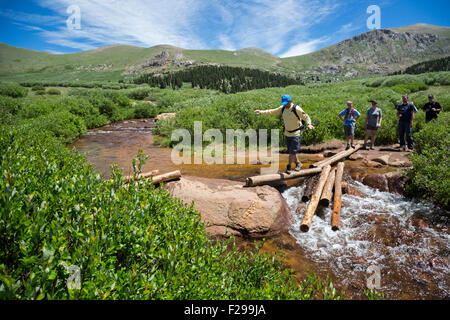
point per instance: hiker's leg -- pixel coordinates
(347, 134)
(297, 161)
(366, 137)
(401, 134)
(409, 139)
(352, 135)
(374, 136)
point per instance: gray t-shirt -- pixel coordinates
(373, 116)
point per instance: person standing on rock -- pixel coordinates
(405, 114)
(294, 119)
(349, 116)
(432, 109)
(373, 122)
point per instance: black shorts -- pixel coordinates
(293, 144)
(372, 128)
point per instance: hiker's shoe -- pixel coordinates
(353, 146)
(348, 147)
(288, 169)
(364, 147)
(372, 147)
(411, 148)
(298, 167)
(403, 148)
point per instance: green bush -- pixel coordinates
(9, 108)
(13, 91)
(63, 125)
(430, 176)
(36, 109)
(54, 92)
(139, 94)
(118, 98)
(134, 242)
(143, 110)
(38, 87)
(106, 107)
(40, 92)
(409, 87)
(400, 79)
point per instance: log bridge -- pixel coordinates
(319, 187)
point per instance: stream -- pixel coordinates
(407, 241)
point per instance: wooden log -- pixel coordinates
(309, 188)
(337, 197)
(338, 157)
(327, 193)
(312, 206)
(174, 175)
(269, 178)
(144, 175)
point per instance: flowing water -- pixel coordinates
(406, 241)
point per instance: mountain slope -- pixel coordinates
(375, 52)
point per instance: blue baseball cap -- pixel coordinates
(285, 99)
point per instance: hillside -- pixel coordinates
(376, 52)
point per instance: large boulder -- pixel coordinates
(393, 182)
(376, 181)
(228, 208)
(396, 182)
(163, 116)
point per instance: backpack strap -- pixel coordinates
(298, 117)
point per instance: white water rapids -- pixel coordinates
(408, 241)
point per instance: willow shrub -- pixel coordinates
(430, 176)
(321, 103)
(133, 242)
(13, 91)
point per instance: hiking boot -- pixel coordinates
(364, 147)
(403, 148)
(348, 147)
(298, 166)
(353, 146)
(288, 169)
(372, 147)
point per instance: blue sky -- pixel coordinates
(284, 28)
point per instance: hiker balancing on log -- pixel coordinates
(294, 119)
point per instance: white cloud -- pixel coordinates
(304, 48)
(194, 24)
(134, 22)
(271, 24)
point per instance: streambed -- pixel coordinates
(407, 241)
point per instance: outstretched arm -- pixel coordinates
(271, 112)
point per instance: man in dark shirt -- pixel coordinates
(432, 109)
(405, 114)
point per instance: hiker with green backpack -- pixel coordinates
(295, 120)
(349, 116)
